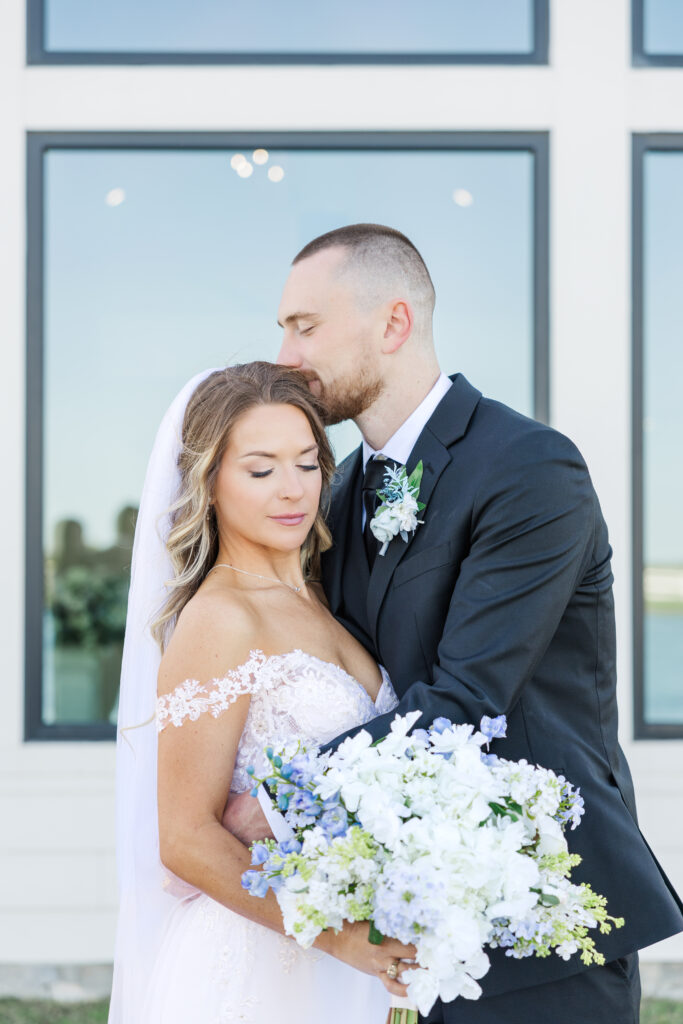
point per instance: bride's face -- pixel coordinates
(267, 489)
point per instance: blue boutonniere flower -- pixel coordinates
(400, 506)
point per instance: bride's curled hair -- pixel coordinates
(211, 413)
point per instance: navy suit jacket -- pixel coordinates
(501, 603)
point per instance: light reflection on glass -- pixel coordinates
(461, 197)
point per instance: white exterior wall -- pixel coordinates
(57, 874)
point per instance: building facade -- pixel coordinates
(159, 174)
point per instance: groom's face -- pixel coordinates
(329, 337)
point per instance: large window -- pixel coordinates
(657, 32)
(156, 256)
(262, 31)
(658, 434)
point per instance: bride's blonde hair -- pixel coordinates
(211, 413)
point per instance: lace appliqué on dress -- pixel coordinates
(295, 697)
(191, 698)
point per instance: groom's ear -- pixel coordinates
(399, 325)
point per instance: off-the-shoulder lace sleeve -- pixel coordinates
(192, 698)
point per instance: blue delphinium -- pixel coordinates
(303, 768)
(493, 728)
(259, 854)
(407, 902)
(256, 882)
(572, 807)
(334, 822)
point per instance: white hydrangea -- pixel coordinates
(444, 848)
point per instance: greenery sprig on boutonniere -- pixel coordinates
(400, 506)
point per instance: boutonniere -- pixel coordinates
(400, 506)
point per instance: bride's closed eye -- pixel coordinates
(267, 472)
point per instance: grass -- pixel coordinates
(661, 1011)
(15, 1011)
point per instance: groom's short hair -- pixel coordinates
(381, 260)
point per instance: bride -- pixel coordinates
(229, 648)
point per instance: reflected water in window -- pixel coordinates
(663, 438)
(303, 26)
(160, 263)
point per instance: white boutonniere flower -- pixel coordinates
(400, 506)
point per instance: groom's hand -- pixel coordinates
(245, 819)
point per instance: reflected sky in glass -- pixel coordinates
(663, 26)
(663, 359)
(159, 264)
(663, 436)
(301, 26)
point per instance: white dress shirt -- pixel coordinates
(400, 445)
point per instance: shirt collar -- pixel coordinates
(400, 445)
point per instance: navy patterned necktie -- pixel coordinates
(373, 480)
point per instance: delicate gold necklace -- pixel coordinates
(271, 579)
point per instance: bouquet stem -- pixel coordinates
(402, 1011)
(402, 1015)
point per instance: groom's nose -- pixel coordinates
(288, 354)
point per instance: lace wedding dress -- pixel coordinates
(215, 966)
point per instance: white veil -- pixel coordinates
(144, 905)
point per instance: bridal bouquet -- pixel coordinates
(435, 842)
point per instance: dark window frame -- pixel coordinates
(38, 143)
(639, 56)
(37, 54)
(642, 145)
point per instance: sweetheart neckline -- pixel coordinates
(321, 661)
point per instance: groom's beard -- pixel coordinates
(348, 399)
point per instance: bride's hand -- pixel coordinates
(353, 947)
(245, 819)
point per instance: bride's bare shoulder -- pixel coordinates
(216, 631)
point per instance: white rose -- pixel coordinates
(385, 525)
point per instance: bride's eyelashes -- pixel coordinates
(267, 472)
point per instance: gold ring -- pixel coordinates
(392, 970)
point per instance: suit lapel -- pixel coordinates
(447, 425)
(435, 458)
(343, 516)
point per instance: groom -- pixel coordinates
(499, 603)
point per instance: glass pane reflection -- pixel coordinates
(663, 26)
(160, 263)
(303, 26)
(663, 438)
